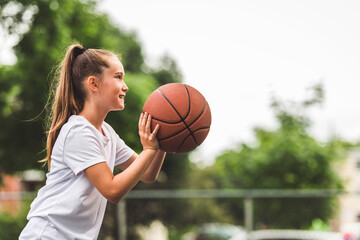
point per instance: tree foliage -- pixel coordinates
(285, 158)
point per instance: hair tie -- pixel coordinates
(78, 51)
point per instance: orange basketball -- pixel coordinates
(183, 114)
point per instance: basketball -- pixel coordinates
(183, 114)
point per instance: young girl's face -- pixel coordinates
(112, 86)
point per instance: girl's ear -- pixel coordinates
(93, 83)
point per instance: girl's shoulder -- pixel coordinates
(78, 126)
(76, 121)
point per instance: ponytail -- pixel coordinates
(78, 64)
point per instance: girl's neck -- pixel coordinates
(94, 118)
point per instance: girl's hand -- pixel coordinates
(148, 138)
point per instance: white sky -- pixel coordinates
(240, 52)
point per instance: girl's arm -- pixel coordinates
(115, 187)
(153, 171)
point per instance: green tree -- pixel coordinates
(285, 158)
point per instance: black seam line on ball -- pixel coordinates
(187, 114)
(172, 135)
(199, 115)
(188, 127)
(206, 105)
(192, 133)
(202, 128)
(164, 121)
(182, 119)
(182, 143)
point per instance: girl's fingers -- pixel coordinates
(140, 119)
(156, 130)
(148, 138)
(148, 123)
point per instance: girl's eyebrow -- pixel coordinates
(119, 73)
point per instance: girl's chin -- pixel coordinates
(119, 108)
(121, 105)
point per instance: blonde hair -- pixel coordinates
(78, 64)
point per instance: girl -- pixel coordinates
(82, 150)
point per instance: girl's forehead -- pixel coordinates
(115, 65)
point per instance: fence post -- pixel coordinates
(121, 219)
(248, 203)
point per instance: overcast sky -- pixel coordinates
(240, 53)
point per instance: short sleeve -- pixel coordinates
(82, 148)
(123, 152)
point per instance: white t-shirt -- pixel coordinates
(69, 202)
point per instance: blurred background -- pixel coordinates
(281, 78)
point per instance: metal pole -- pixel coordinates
(121, 219)
(248, 203)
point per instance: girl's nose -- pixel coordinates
(125, 87)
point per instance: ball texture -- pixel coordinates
(183, 114)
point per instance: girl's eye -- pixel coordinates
(119, 77)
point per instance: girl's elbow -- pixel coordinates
(113, 200)
(114, 197)
(149, 179)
